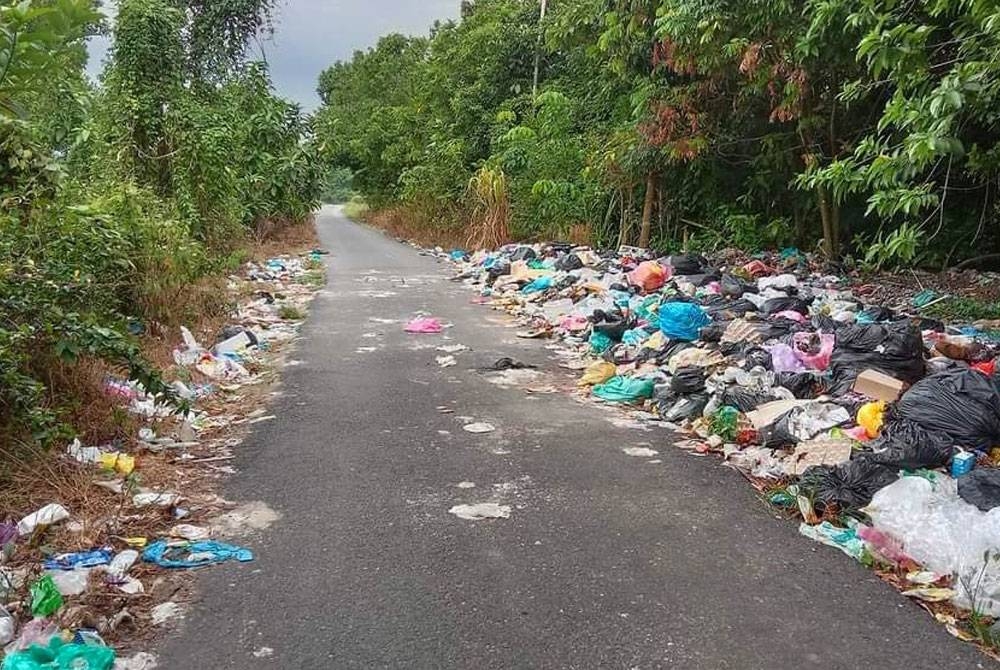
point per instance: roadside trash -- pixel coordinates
(445, 361)
(71, 582)
(45, 597)
(478, 427)
(795, 376)
(871, 416)
(844, 539)
(597, 373)
(61, 655)
(682, 320)
(169, 554)
(879, 386)
(510, 364)
(164, 612)
(980, 488)
(163, 499)
(122, 563)
(817, 452)
(962, 463)
(481, 511)
(8, 627)
(640, 452)
(624, 389)
(424, 325)
(962, 404)
(945, 534)
(649, 276)
(81, 559)
(46, 516)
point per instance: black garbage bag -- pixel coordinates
(906, 445)
(803, 385)
(981, 488)
(702, 280)
(786, 304)
(569, 262)
(688, 380)
(688, 264)
(744, 399)
(777, 435)
(825, 324)
(849, 486)
(612, 324)
(711, 333)
(497, 270)
(779, 329)
(524, 254)
(897, 349)
(685, 408)
(964, 405)
(875, 313)
(758, 357)
(731, 286)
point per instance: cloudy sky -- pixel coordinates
(310, 35)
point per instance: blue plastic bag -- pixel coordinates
(599, 342)
(635, 337)
(193, 554)
(682, 320)
(540, 284)
(625, 389)
(79, 559)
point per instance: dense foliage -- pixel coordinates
(866, 128)
(120, 194)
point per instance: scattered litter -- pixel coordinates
(481, 511)
(781, 368)
(424, 325)
(193, 554)
(642, 452)
(164, 612)
(478, 427)
(50, 514)
(446, 361)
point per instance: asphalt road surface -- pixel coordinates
(607, 560)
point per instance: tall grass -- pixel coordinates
(490, 225)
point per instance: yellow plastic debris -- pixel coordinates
(871, 416)
(598, 373)
(121, 463)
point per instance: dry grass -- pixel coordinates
(409, 223)
(289, 238)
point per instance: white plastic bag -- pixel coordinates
(946, 535)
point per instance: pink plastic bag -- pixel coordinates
(791, 315)
(783, 359)
(806, 349)
(574, 323)
(650, 276)
(426, 325)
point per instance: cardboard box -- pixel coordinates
(879, 386)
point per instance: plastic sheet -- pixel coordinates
(945, 534)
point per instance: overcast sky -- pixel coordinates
(311, 35)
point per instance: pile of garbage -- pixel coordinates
(878, 426)
(72, 578)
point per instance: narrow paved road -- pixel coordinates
(607, 561)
